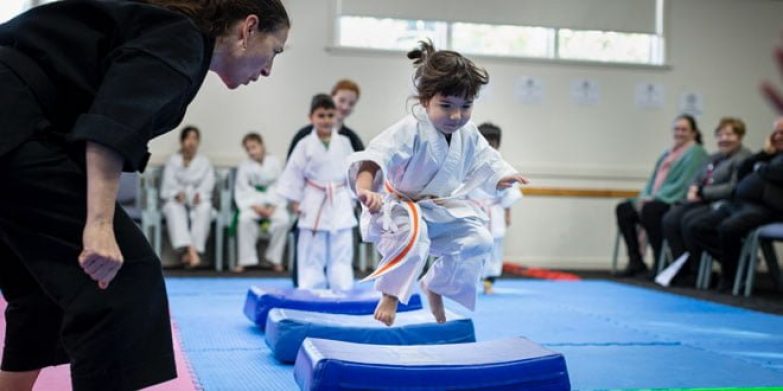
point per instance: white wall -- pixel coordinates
(721, 48)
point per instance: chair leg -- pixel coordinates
(753, 249)
(232, 252)
(219, 232)
(615, 252)
(362, 257)
(768, 249)
(708, 272)
(705, 269)
(742, 266)
(158, 239)
(666, 257)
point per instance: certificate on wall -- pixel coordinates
(529, 90)
(649, 96)
(585, 92)
(692, 103)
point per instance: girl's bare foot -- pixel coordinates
(436, 304)
(278, 268)
(386, 309)
(238, 269)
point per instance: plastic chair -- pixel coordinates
(129, 195)
(133, 195)
(762, 237)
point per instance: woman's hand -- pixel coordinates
(769, 147)
(180, 197)
(693, 194)
(372, 200)
(508, 181)
(263, 211)
(100, 258)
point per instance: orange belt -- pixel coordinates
(413, 236)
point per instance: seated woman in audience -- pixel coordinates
(712, 187)
(260, 207)
(674, 172)
(188, 181)
(758, 200)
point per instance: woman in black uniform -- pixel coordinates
(84, 85)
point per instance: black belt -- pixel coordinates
(31, 74)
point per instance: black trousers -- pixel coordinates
(674, 221)
(721, 231)
(114, 339)
(650, 219)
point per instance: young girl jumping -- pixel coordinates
(426, 164)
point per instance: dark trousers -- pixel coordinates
(650, 219)
(115, 339)
(721, 231)
(674, 223)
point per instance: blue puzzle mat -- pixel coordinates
(260, 301)
(501, 364)
(286, 329)
(613, 335)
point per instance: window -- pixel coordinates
(607, 46)
(516, 41)
(608, 31)
(377, 33)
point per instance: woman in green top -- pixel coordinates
(673, 173)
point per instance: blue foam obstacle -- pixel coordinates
(354, 302)
(286, 329)
(503, 364)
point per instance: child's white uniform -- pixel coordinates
(255, 185)
(197, 178)
(494, 205)
(418, 164)
(315, 177)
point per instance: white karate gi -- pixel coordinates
(495, 205)
(255, 185)
(315, 177)
(418, 164)
(197, 178)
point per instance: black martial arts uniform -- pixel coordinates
(117, 73)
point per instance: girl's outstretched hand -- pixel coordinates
(372, 200)
(508, 181)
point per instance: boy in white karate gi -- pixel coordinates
(314, 183)
(428, 162)
(497, 206)
(259, 205)
(186, 190)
